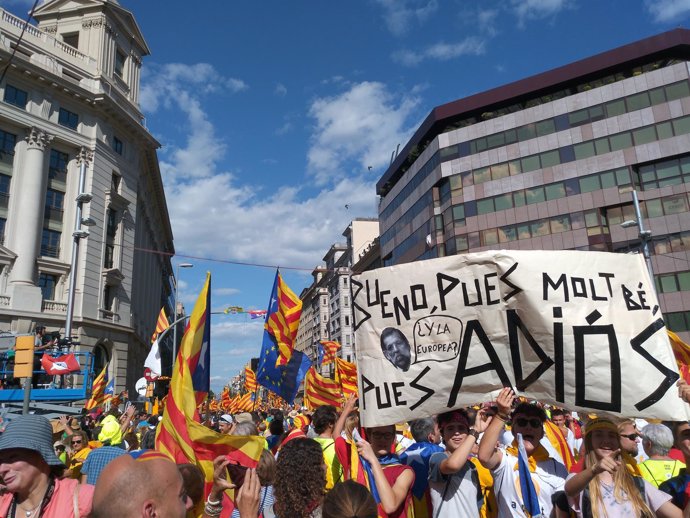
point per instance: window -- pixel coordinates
(4, 190)
(47, 284)
(111, 224)
(71, 39)
(347, 320)
(115, 181)
(120, 59)
(117, 145)
(109, 256)
(68, 119)
(15, 96)
(109, 297)
(50, 243)
(54, 205)
(7, 143)
(3, 222)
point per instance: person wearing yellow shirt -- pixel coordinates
(657, 440)
(80, 450)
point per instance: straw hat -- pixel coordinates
(31, 432)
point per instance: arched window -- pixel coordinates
(100, 358)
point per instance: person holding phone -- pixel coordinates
(606, 486)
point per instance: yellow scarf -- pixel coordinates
(538, 455)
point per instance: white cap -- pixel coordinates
(227, 418)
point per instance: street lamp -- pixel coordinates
(644, 235)
(177, 276)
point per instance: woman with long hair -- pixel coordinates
(299, 496)
(606, 487)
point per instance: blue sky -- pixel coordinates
(277, 118)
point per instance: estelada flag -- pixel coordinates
(180, 435)
(283, 319)
(330, 350)
(60, 365)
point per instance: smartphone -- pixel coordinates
(356, 436)
(237, 473)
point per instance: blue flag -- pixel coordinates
(110, 388)
(530, 501)
(283, 380)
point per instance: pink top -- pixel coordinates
(61, 505)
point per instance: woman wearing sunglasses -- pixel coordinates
(79, 446)
(607, 487)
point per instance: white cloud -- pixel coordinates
(354, 130)
(361, 127)
(280, 90)
(161, 81)
(667, 10)
(441, 51)
(538, 9)
(487, 21)
(399, 15)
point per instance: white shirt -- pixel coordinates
(548, 478)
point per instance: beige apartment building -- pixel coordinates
(79, 173)
(550, 162)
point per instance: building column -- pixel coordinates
(25, 294)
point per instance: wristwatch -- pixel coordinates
(474, 433)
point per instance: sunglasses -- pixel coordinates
(631, 436)
(533, 422)
(77, 442)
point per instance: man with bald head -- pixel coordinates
(148, 487)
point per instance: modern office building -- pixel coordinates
(81, 196)
(327, 302)
(550, 162)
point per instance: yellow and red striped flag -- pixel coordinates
(283, 322)
(346, 376)
(559, 442)
(161, 325)
(98, 396)
(249, 379)
(225, 398)
(181, 436)
(319, 391)
(681, 351)
(245, 403)
(330, 351)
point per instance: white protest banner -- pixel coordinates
(581, 330)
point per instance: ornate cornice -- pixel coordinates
(38, 139)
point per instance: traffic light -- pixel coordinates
(24, 356)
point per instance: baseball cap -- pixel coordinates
(227, 418)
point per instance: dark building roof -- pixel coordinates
(668, 45)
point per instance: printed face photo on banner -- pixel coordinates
(581, 330)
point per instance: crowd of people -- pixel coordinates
(322, 464)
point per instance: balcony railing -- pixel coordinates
(34, 32)
(54, 306)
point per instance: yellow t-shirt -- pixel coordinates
(334, 470)
(657, 471)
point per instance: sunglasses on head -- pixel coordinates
(631, 436)
(532, 422)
